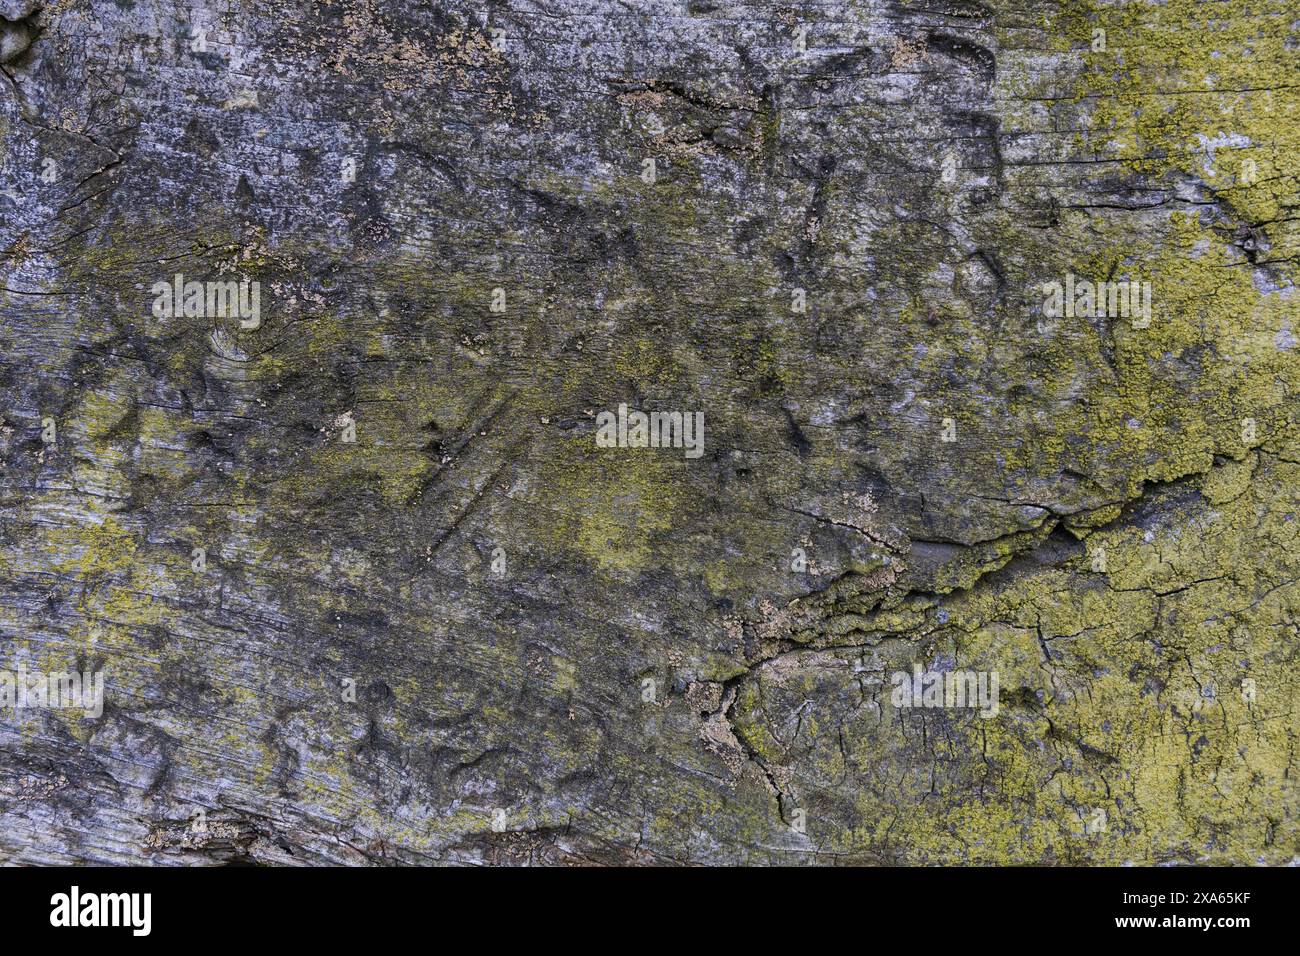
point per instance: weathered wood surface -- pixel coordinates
(655, 677)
